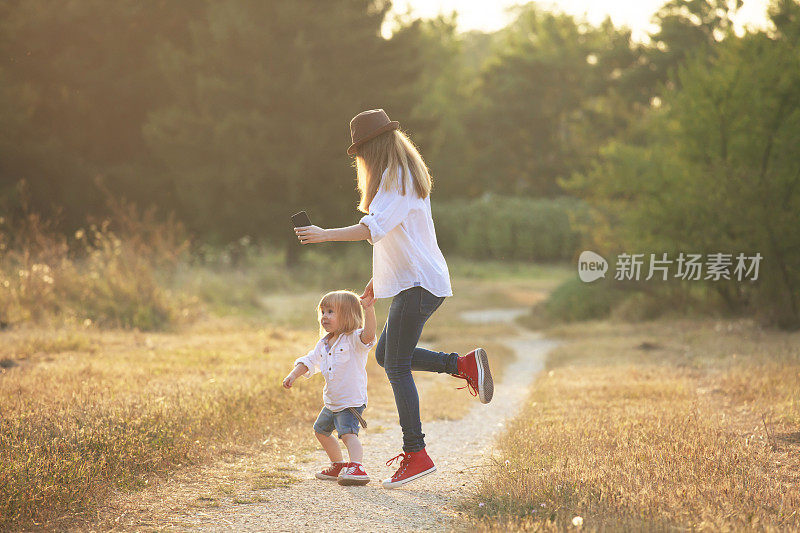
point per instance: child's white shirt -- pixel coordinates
(405, 253)
(343, 365)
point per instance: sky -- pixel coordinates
(490, 15)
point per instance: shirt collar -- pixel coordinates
(326, 337)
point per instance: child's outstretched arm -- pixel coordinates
(370, 323)
(299, 370)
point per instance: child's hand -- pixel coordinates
(299, 370)
(368, 298)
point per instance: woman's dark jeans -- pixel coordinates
(398, 353)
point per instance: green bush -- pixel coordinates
(575, 300)
(510, 228)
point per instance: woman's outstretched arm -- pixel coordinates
(314, 234)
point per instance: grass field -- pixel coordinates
(662, 425)
(89, 411)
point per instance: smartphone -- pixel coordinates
(301, 219)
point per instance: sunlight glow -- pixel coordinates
(636, 14)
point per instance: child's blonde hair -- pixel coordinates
(348, 311)
(392, 150)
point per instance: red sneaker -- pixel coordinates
(353, 474)
(413, 465)
(332, 472)
(474, 368)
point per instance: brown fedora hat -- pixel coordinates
(369, 124)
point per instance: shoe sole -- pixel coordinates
(485, 382)
(389, 484)
(349, 481)
(323, 476)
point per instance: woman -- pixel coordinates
(407, 266)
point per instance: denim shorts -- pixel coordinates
(344, 421)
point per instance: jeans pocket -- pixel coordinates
(428, 303)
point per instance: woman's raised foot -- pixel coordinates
(474, 368)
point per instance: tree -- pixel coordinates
(542, 103)
(261, 101)
(686, 28)
(716, 170)
(77, 82)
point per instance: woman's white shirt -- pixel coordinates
(405, 253)
(344, 367)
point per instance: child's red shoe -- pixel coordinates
(353, 474)
(332, 472)
(474, 368)
(412, 466)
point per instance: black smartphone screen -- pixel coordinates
(301, 219)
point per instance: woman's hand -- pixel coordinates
(288, 380)
(311, 234)
(368, 298)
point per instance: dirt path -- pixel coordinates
(459, 448)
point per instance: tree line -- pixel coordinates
(233, 115)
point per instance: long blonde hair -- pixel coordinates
(348, 311)
(390, 151)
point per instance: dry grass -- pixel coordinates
(116, 407)
(654, 426)
(111, 273)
